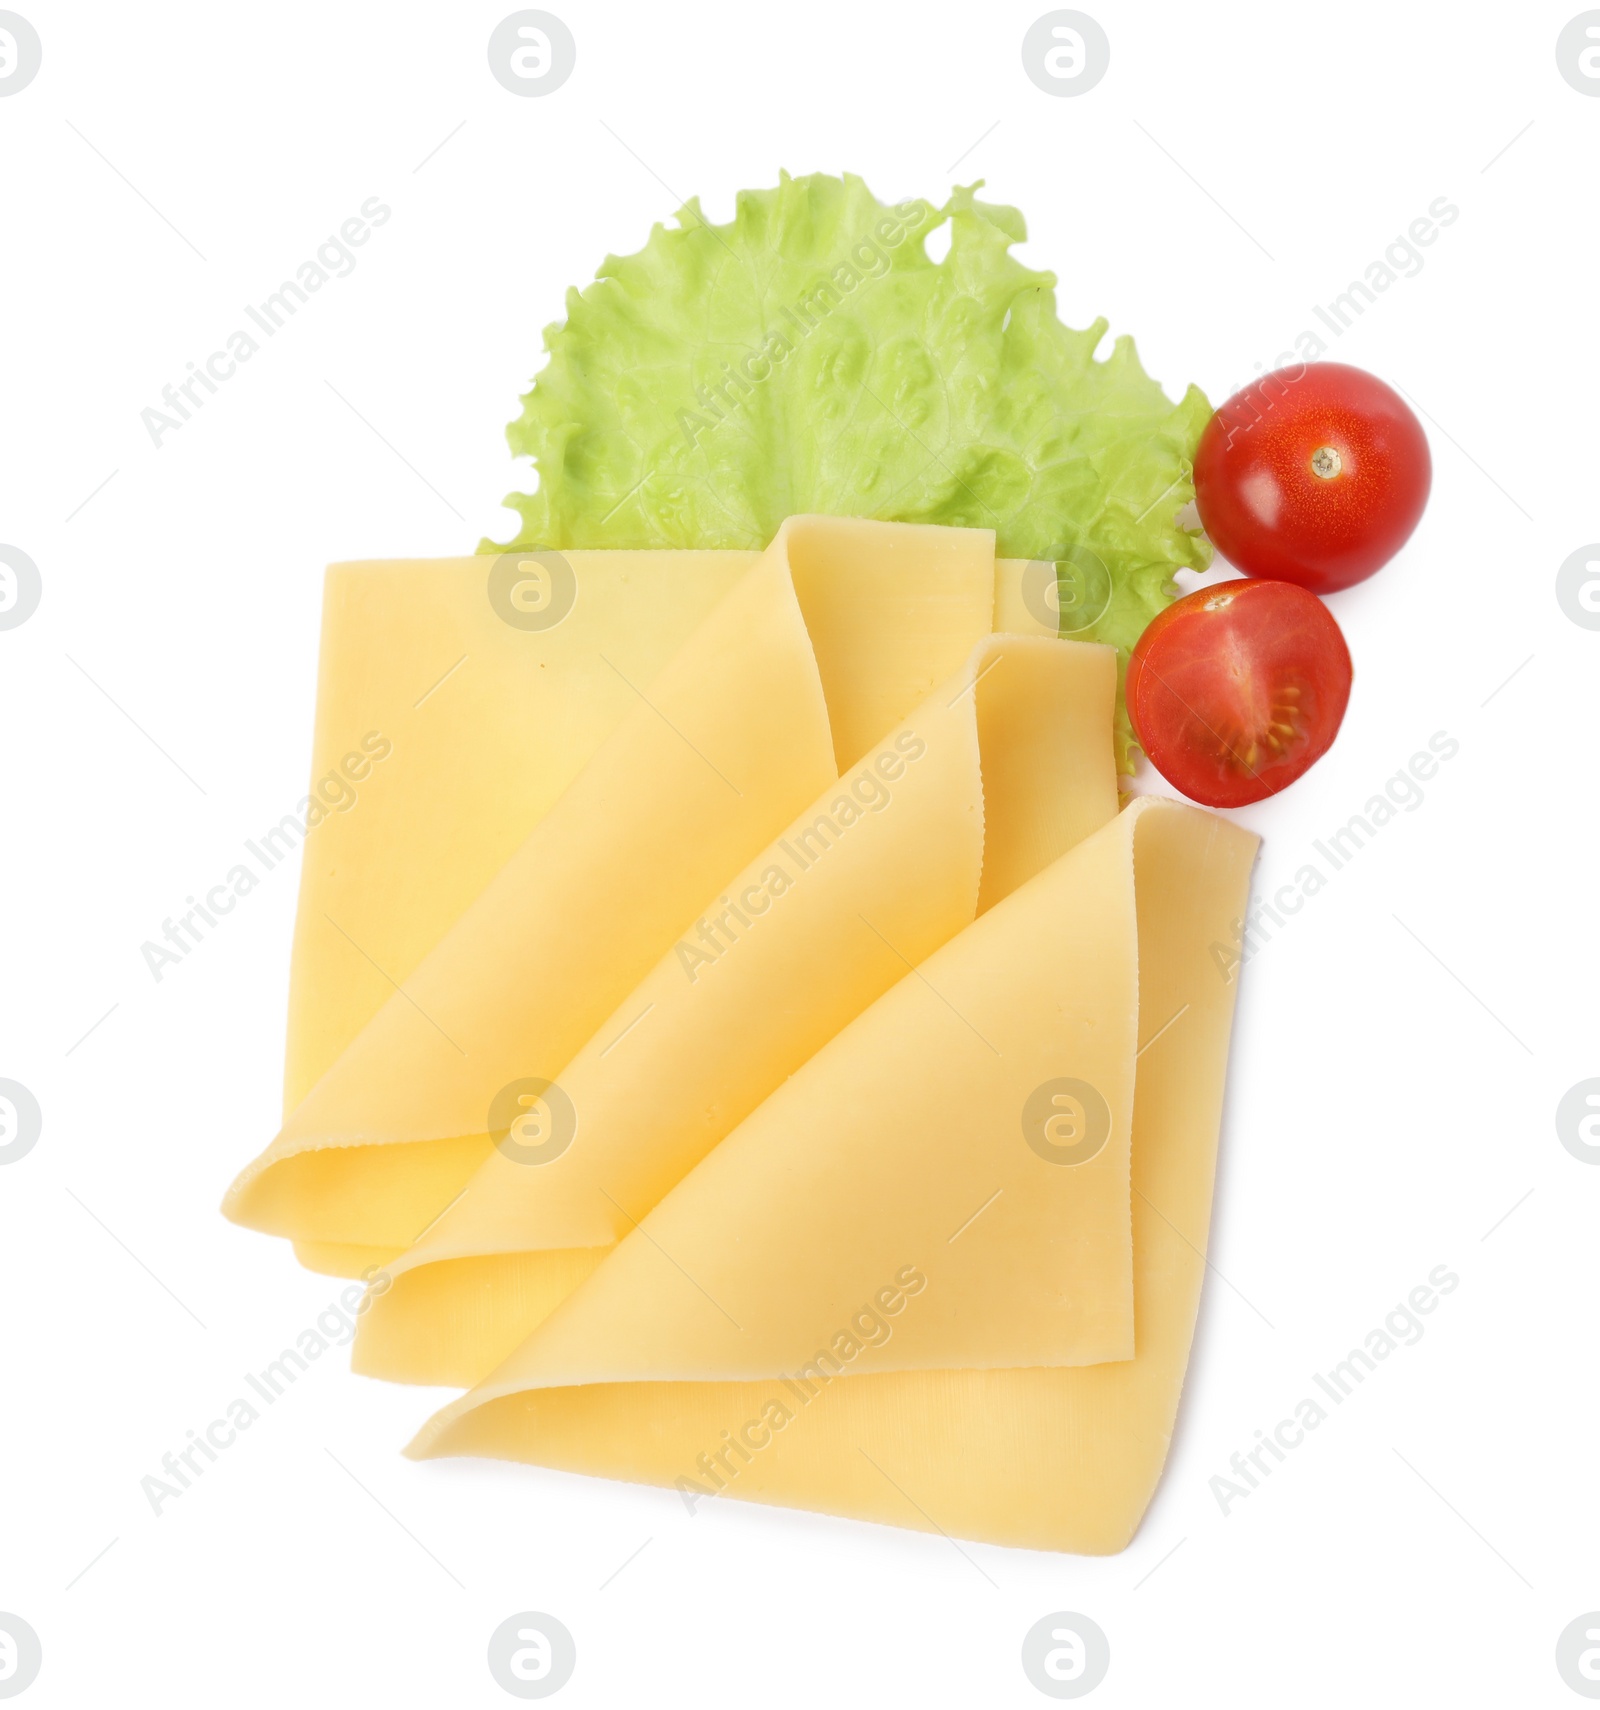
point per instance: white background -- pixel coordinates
(1391, 1096)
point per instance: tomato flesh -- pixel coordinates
(1235, 690)
(1315, 475)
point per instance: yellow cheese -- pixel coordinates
(487, 724)
(1004, 767)
(344, 1259)
(1026, 601)
(885, 1286)
(838, 630)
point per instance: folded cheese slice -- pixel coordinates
(830, 639)
(1003, 768)
(487, 712)
(486, 723)
(881, 1296)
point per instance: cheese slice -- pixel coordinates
(837, 631)
(900, 1291)
(481, 724)
(485, 723)
(1007, 765)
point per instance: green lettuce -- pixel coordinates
(810, 356)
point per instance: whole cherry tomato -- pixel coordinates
(1315, 475)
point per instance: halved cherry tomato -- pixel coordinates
(1315, 476)
(1236, 689)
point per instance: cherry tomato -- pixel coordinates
(1318, 479)
(1235, 690)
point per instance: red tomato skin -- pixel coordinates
(1267, 511)
(1186, 683)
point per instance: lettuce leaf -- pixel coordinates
(810, 356)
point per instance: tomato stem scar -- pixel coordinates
(1326, 462)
